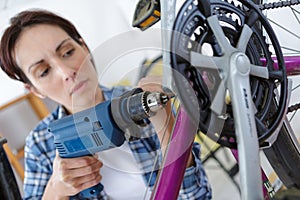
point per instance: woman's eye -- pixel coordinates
(69, 53)
(45, 72)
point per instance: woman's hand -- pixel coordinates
(151, 83)
(72, 175)
(163, 120)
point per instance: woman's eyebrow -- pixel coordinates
(34, 64)
(56, 50)
(60, 44)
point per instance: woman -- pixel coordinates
(47, 54)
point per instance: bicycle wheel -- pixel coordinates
(284, 154)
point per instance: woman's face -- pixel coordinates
(58, 67)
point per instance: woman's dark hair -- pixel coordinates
(18, 23)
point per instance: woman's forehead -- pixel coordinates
(42, 31)
(37, 41)
(40, 37)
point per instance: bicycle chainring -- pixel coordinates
(193, 33)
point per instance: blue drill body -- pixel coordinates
(83, 134)
(105, 126)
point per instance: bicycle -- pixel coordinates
(235, 32)
(207, 113)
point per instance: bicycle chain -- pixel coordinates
(293, 108)
(280, 4)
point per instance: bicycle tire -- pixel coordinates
(284, 157)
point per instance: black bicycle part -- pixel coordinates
(191, 32)
(8, 185)
(278, 4)
(284, 157)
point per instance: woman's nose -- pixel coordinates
(68, 73)
(70, 76)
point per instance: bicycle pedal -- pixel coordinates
(147, 13)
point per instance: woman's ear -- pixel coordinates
(34, 91)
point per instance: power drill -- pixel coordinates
(105, 126)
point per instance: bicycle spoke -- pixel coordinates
(285, 29)
(290, 49)
(294, 11)
(295, 87)
(293, 115)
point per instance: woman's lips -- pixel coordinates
(77, 87)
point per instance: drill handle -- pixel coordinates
(89, 193)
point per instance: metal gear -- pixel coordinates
(192, 33)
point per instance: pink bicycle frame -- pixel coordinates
(170, 177)
(292, 64)
(172, 173)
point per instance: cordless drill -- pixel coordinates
(105, 126)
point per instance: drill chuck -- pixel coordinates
(145, 104)
(156, 101)
(131, 110)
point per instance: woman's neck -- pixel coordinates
(98, 98)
